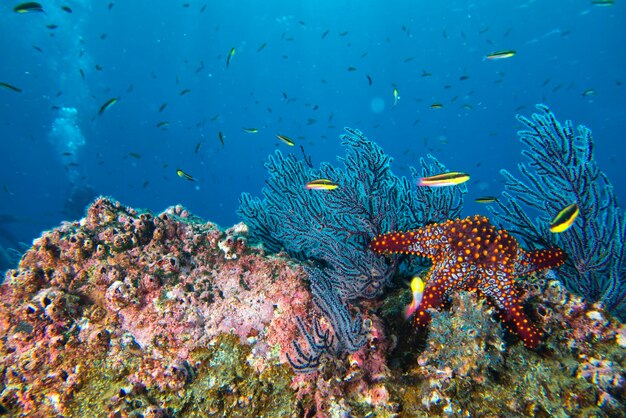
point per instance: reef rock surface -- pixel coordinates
(128, 314)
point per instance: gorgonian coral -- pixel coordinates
(332, 228)
(562, 171)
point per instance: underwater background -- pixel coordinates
(208, 221)
(300, 69)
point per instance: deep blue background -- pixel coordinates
(299, 85)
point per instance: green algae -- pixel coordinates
(102, 381)
(226, 384)
(221, 383)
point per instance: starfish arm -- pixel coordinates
(434, 296)
(425, 241)
(520, 324)
(530, 261)
(503, 295)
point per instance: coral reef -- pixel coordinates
(121, 308)
(128, 314)
(469, 369)
(332, 229)
(562, 171)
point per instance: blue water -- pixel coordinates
(299, 85)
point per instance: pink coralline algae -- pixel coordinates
(120, 287)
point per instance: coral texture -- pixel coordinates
(129, 314)
(470, 254)
(141, 297)
(562, 171)
(468, 369)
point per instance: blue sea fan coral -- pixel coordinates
(332, 228)
(562, 171)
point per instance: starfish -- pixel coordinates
(470, 254)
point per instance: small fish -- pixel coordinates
(10, 87)
(221, 137)
(260, 48)
(250, 130)
(369, 79)
(436, 106)
(589, 92)
(186, 91)
(82, 73)
(485, 199)
(426, 73)
(417, 290)
(134, 155)
(286, 140)
(351, 68)
(396, 96)
(184, 175)
(98, 67)
(446, 179)
(52, 26)
(326, 32)
(36, 48)
(107, 105)
(198, 145)
(321, 184)
(564, 219)
(603, 2)
(29, 7)
(498, 55)
(230, 56)
(66, 9)
(162, 124)
(162, 107)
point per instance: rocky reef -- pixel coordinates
(127, 314)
